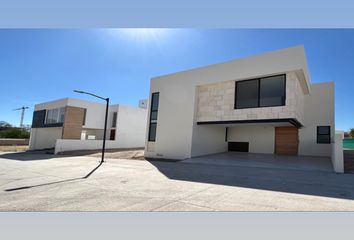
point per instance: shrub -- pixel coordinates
(351, 132)
(14, 133)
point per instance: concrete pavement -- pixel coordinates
(43, 182)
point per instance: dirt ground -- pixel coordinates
(13, 148)
(137, 154)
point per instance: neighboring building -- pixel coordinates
(73, 124)
(259, 104)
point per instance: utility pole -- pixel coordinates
(105, 119)
(22, 114)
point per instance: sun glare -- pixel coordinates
(140, 34)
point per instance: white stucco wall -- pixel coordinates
(260, 138)
(52, 104)
(177, 134)
(204, 144)
(64, 145)
(318, 111)
(98, 133)
(42, 138)
(337, 153)
(131, 126)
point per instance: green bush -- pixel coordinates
(14, 133)
(351, 132)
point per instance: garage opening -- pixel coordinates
(238, 146)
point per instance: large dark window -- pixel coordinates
(272, 91)
(153, 116)
(324, 134)
(247, 94)
(260, 92)
(38, 119)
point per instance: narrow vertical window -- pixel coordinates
(114, 120)
(61, 114)
(153, 116)
(226, 133)
(84, 118)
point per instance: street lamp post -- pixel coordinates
(105, 119)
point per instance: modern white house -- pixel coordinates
(259, 104)
(73, 124)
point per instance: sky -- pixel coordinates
(38, 65)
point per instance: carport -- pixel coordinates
(280, 136)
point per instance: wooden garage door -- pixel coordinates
(286, 140)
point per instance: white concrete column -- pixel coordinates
(337, 153)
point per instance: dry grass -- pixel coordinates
(13, 148)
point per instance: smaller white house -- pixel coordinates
(73, 124)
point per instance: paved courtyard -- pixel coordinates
(44, 182)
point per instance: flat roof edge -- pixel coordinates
(299, 48)
(292, 121)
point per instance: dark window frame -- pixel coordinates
(259, 92)
(152, 138)
(319, 134)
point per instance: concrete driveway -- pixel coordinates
(42, 182)
(271, 161)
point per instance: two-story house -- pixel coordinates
(260, 104)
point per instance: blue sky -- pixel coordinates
(42, 65)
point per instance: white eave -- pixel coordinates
(291, 59)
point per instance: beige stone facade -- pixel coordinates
(73, 122)
(216, 103)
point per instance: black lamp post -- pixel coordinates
(105, 119)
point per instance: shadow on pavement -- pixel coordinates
(316, 183)
(30, 155)
(40, 185)
(56, 182)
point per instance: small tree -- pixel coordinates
(351, 132)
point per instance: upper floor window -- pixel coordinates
(260, 92)
(324, 134)
(114, 120)
(153, 116)
(55, 115)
